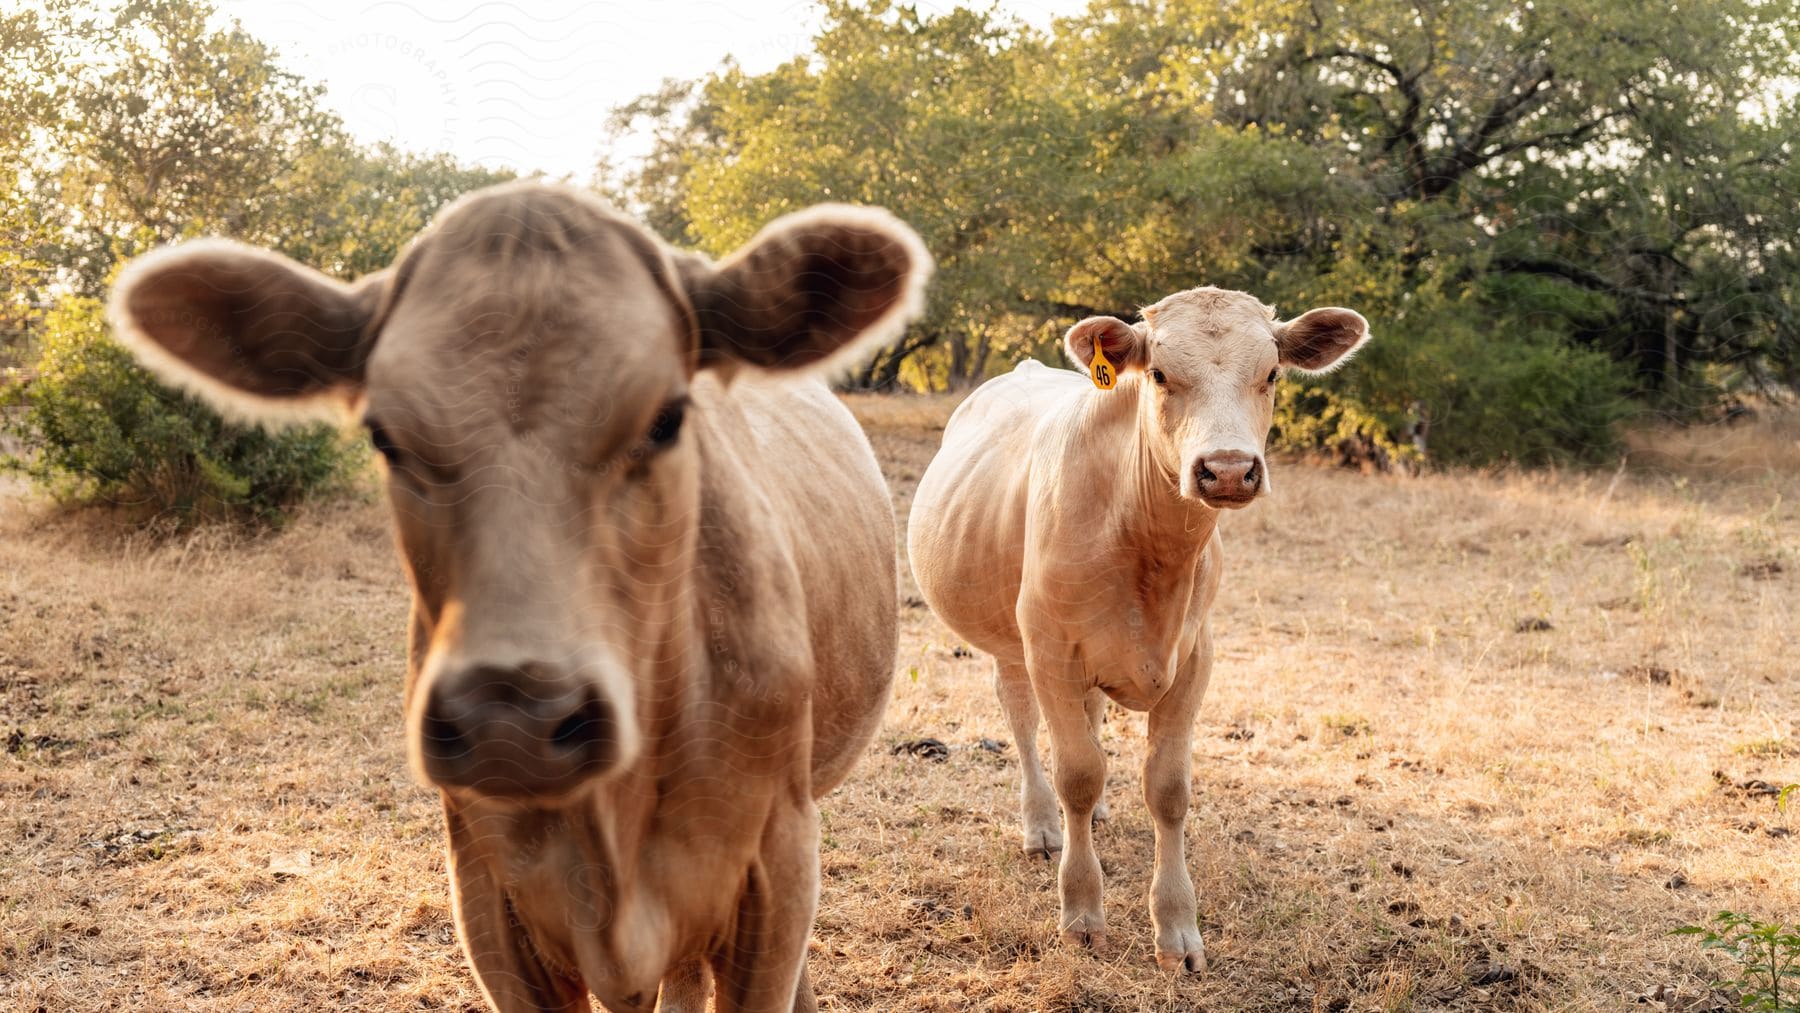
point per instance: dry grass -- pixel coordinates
(1748, 449)
(1400, 781)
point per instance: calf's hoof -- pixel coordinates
(1043, 833)
(1086, 932)
(1185, 954)
(1042, 843)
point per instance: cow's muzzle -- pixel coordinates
(1228, 478)
(529, 732)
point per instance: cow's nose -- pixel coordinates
(516, 732)
(1227, 477)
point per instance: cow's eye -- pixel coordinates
(667, 427)
(1274, 374)
(1157, 375)
(382, 442)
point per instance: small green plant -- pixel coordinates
(1649, 588)
(1767, 955)
(1347, 725)
(1774, 748)
(96, 429)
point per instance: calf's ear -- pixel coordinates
(814, 289)
(252, 332)
(1320, 340)
(1122, 343)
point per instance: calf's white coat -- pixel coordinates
(1072, 533)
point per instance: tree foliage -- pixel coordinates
(1544, 208)
(146, 123)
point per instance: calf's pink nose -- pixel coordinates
(1228, 477)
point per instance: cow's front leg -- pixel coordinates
(506, 967)
(762, 968)
(684, 988)
(1080, 774)
(1168, 776)
(804, 999)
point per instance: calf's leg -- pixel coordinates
(762, 968)
(1042, 826)
(506, 967)
(1168, 776)
(1080, 770)
(1096, 712)
(804, 1000)
(684, 988)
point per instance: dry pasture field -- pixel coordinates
(1473, 742)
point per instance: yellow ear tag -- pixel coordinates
(1101, 370)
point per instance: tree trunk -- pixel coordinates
(959, 361)
(1670, 364)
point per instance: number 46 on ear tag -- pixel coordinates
(1101, 370)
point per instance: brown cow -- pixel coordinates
(654, 611)
(1071, 532)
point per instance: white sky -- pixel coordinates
(526, 84)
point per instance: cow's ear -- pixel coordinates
(1320, 340)
(251, 331)
(1124, 344)
(813, 289)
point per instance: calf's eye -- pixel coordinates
(382, 442)
(1273, 375)
(667, 427)
(1157, 375)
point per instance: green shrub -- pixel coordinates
(1767, 956)
(97, 429)
(1492, 389)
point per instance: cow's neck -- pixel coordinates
(1156, 541)
(578, 878)
(613, 924)
(1157, 518)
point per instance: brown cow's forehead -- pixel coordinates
(532, 314)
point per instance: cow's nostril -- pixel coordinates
(1254, 475)
(442, 737)
(1205, 474)
(586, 725)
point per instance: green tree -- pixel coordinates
(171, 123)
(1545, 209)
(351, 210)
(654, 186)
(28, 94)
(174, 126)
(148, 123)
(1605, 146)
(942, 118)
